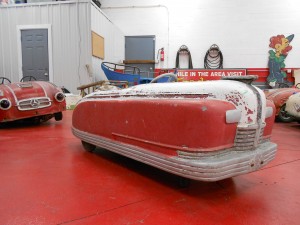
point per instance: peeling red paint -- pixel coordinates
(249, 119)
(248, 111)
(235, 98)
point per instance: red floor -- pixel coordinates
(47, 178)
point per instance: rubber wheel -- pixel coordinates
(283, 116)
(88, 147)
(58, 116)
(184, 182)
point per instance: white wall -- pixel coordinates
(114, 41)
(71, 39)
(241, 29)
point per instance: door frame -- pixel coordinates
(141, 62)
(142, 36)
(19, 46)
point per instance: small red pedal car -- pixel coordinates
(38, 101)
(279, 96)
(204, 131)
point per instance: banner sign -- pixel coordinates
(203, 75)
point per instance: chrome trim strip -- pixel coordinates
(34, 103)
(175, 147)
(248, 138)
(207, 169)
(25, 85)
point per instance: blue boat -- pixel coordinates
(121, 72)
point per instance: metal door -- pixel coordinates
(35, 57)
(140, 52)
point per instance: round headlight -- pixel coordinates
(5, 104)
(59, 97)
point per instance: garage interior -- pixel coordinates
(48, 178)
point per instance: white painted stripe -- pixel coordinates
(13, 93)
(40, 84)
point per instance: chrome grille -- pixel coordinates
(34, 103)
(248, 138)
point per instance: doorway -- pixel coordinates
(140, 52)
(35, 52)
(35, 57)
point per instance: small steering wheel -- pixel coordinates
(172, 77)
(27, 78)
(2, 79)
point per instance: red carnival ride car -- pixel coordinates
(279, 96)
(293, 106)
(205, 131)
(38, 101)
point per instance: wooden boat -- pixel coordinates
(205, 131)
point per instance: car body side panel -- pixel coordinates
(159, 125)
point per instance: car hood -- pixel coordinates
(25, 90)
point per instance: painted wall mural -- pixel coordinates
(281, 46)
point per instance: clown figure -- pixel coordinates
(280, 44)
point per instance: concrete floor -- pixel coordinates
(47, 178)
